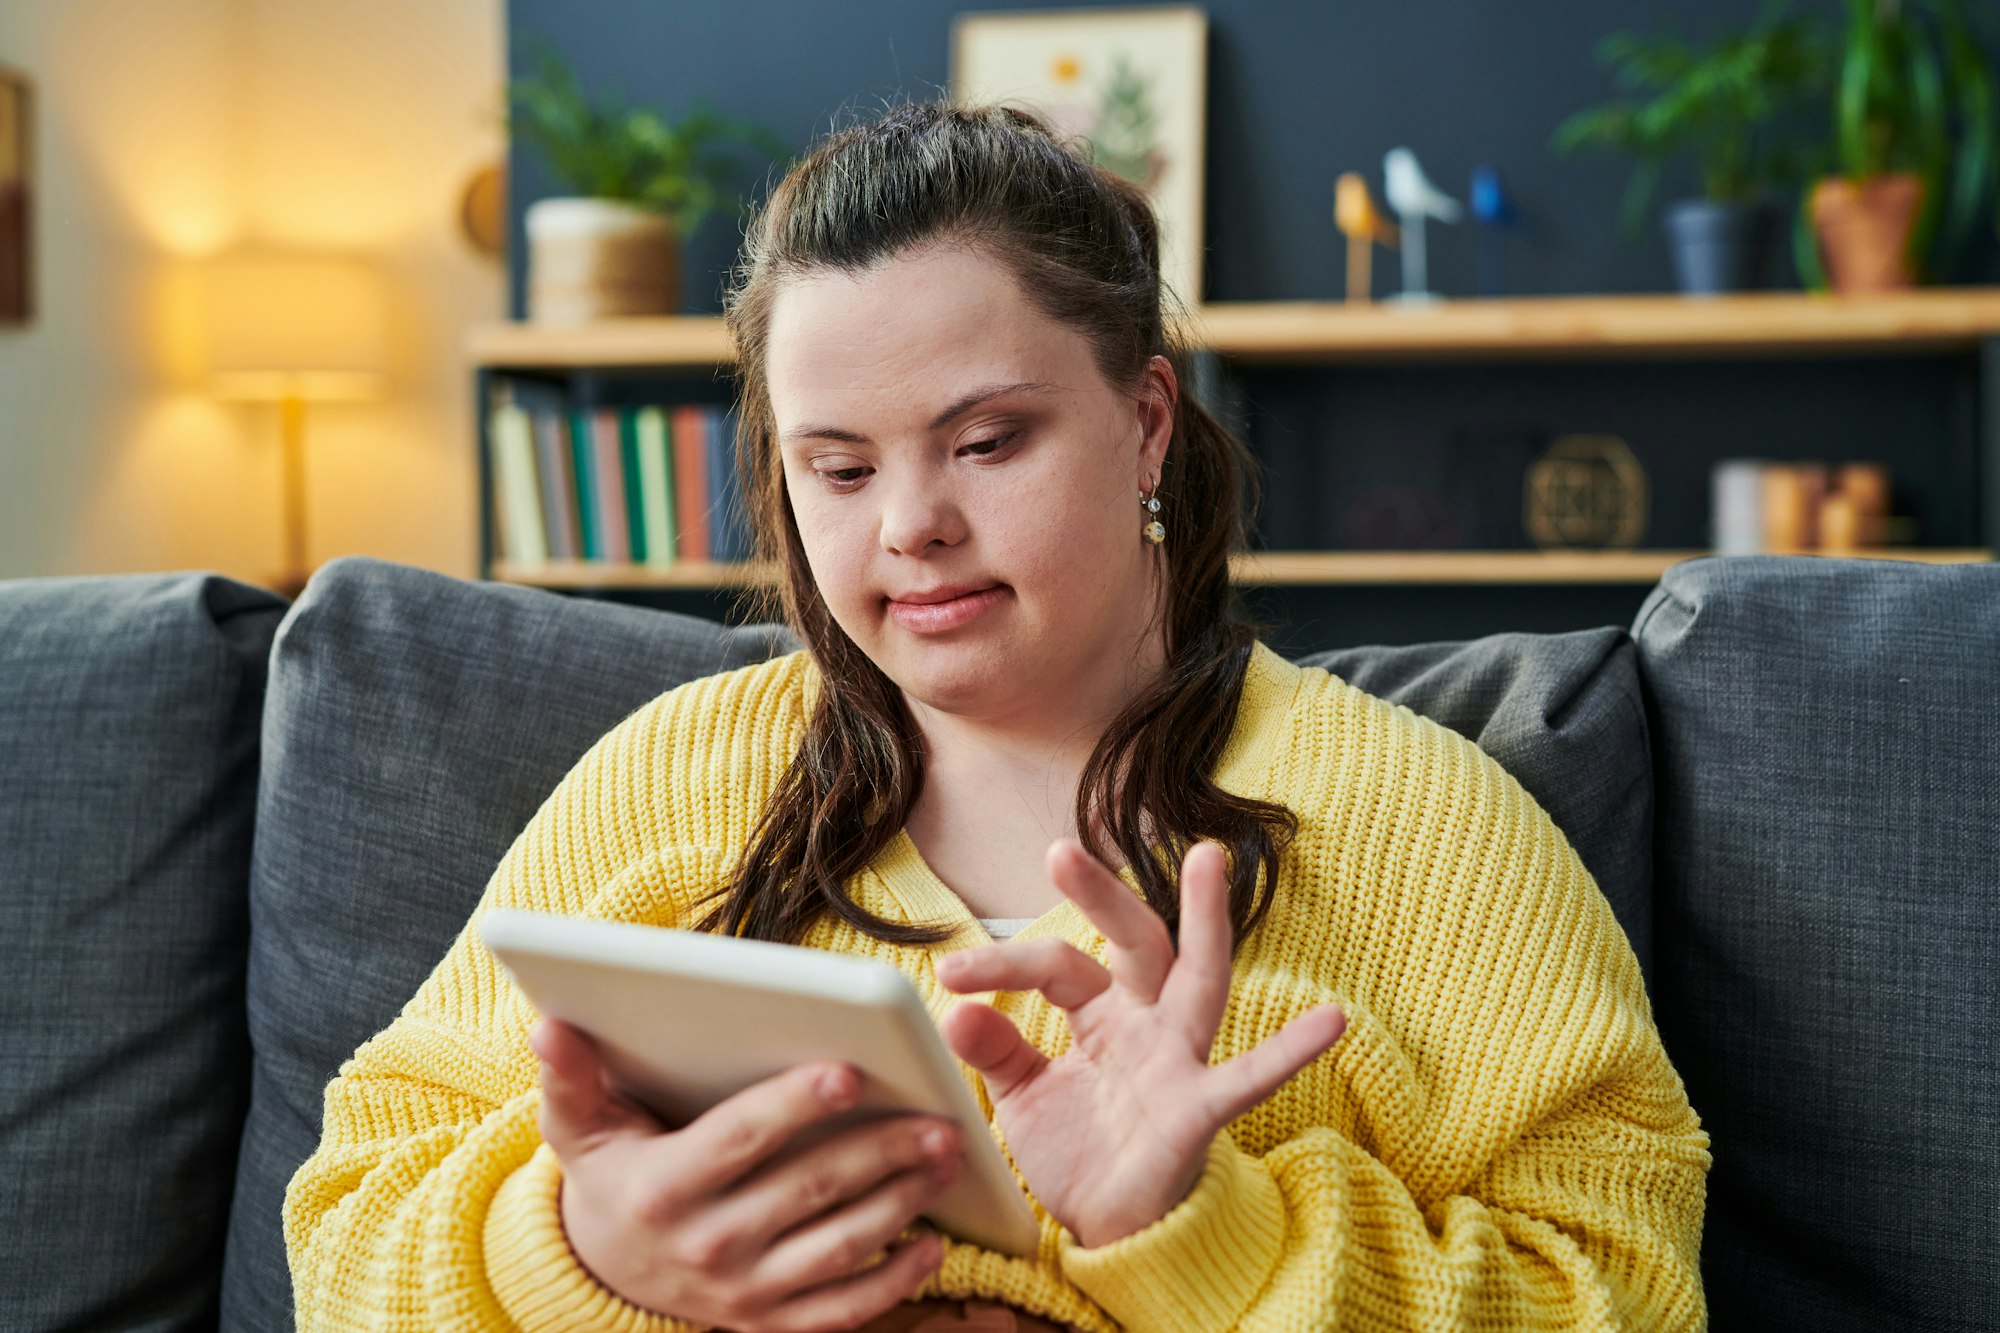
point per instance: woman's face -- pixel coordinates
(966, 485)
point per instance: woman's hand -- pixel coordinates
(1114, 1133)
(721, 1222)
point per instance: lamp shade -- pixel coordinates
(290, 325)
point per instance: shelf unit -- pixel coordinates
(1583, 328)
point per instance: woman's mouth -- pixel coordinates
(941, 609)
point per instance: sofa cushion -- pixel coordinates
(1563, 714)
(1828, 929)
(129, 714)
(415, 723)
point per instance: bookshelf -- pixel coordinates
(1580, 329)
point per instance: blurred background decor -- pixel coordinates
(1132, 83)
(1733, 106)
(1410, 192)
(482, 211)
(1915, 129)
(642, 183)
(16, 199)
(1365, 226)
(290, 328)
(1586, 492)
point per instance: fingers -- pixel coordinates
(578, 1109)
(1066, 976)
(1197, 990)
(740, 1133)
(846, 1238)
(984, 1038)
(799, 1187)
(1242, 1083)
(1142, 952)
(856, 1300)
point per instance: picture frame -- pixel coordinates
(16, 198)
(1130, 83)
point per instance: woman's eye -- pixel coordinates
(982, 448)
(844, 476)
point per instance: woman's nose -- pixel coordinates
(917, 516)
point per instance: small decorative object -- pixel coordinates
(1493, 208)
(1729, 106)
(1154, 531)
(1787, 508)
(482, 211)
(1415, 199)
(1130, 83)
(16, 201)
(643, 184)
(1909, 192)
(1586, 491)
(1354, 212)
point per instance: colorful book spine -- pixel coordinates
(728, 523)
(516, 502)
(635, 494)
(690, 434)
(610, 467)
(558, 485)
(656, 484)
(588, 507)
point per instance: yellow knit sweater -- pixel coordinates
(1497, 1142)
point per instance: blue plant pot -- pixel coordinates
(1719, 247)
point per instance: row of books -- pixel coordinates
(651, 484)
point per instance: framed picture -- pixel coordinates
(15, 200)
(1132, 83)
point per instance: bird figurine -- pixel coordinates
(1415, 199)
(1365, 227)
(1494, 209)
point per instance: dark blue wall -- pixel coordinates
(1298, 92)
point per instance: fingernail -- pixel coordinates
(935, 1142)
(836, 1085)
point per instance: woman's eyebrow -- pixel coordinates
(959, 407)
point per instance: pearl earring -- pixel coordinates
(1154, 531)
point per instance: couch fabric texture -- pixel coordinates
(1828, 930)
(129, 714)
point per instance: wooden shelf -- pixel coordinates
(1553, 327)
(1264, 568)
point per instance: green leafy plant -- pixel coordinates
(1916, 93)
(1728, 104)
(609, 151)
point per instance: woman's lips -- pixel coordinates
(949, 614)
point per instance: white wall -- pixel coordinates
(169, 130)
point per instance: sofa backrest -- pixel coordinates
(1827, 939)
(415, 722)
(129, 717)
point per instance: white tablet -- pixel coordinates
(685, 1019)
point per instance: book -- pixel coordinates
(690, 436)
(628, 457)
(590, 538)
(517, 503)
(656, 471)
(728, 521)
(616, 543)
(558, 489)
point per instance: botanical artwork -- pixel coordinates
(1129, 83)
(15, 306)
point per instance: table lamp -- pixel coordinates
(291, 329)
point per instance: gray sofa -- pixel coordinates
(236, 834)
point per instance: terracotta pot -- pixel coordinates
(599, 259)
(1864, 230)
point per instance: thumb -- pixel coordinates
(579, 1110)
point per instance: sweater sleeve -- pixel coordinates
(1593, 1221)
(431, 1202)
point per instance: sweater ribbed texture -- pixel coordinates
(1498, 1141)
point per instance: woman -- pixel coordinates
(1426, 1090)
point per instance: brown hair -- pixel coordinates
(1084, 247)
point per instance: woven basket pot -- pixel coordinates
(592, 259)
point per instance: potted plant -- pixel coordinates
(1729, 107)
(1907, 196)
(642, 183)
